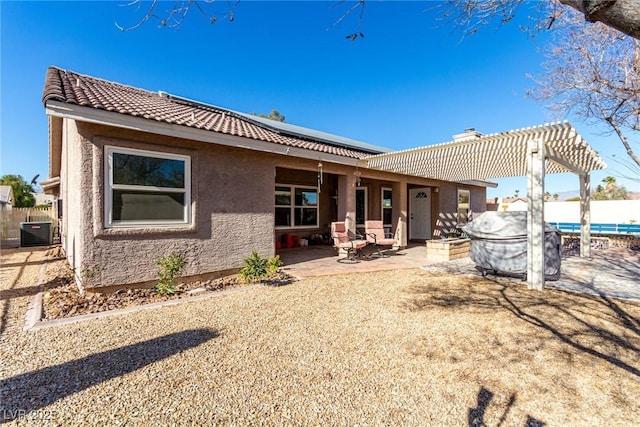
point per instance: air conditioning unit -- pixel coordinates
(36, 234)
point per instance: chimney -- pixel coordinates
(469, 133)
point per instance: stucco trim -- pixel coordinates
(99, 221)
(110, 118)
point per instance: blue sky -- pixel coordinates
(411, 81)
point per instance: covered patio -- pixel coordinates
(321, 260)
(531, 152)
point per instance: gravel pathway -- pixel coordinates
(387, 348)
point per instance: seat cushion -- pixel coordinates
(356, 244)
(359, 244)
(386, 242)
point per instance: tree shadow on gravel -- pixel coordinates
(593, 324)
(475, 416)
(24, 393)
(623, 263)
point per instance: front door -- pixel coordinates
(420, 213)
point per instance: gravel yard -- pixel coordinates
(406, 347)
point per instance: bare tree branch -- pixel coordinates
(175, 16)
(623, 15)
(592, 70)
(357, 4)
(623, 138)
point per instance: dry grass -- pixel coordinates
(399, 348)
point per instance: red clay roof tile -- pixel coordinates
(73, 88)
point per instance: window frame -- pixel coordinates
(459, 192)
(366, 206)
(293, 206)
(383, 207)
(109, 187)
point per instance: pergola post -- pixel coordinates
(585, 216)
(535, 214)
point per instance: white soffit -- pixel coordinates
(497, 155)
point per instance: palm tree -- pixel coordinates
(547, 196)
(609, 185)
(556, 196)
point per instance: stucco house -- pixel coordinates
(507, 204)
(138, 175)
(6, 197)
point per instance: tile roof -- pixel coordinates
(73, 88)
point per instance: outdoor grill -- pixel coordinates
(499, 245)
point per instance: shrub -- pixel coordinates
(257, 268)
(273, 264)
(170, 267)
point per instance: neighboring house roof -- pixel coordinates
(73, 88)
(6, 194)
(43, 199)
(514, 199)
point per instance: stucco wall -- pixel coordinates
(232, 211)
(232, 193)
(602, 211)
(75, 193)
(447, 211)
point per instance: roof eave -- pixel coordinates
(109, 118)
(479, 183)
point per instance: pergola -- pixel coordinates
(531, 152)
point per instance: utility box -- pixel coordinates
(36, 234)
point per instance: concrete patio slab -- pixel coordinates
(313, 261)
(613, 273)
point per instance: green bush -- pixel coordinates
(257, 268)
(273, 264)
(170, 267)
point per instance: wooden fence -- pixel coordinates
(11, 219)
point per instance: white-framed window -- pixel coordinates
(146, 188)
(387, 206)
(464, 206)
(361, 206)
(296, 206)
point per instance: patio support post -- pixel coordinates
(535, 214)
(399, 208)
(585, 215)
(347, 200)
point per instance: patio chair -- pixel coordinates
(350, 242)
(376, 235)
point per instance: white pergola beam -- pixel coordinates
(535, 214)
(534, 152)
(493, 156)
(561, 160)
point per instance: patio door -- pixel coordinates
(420, 213)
